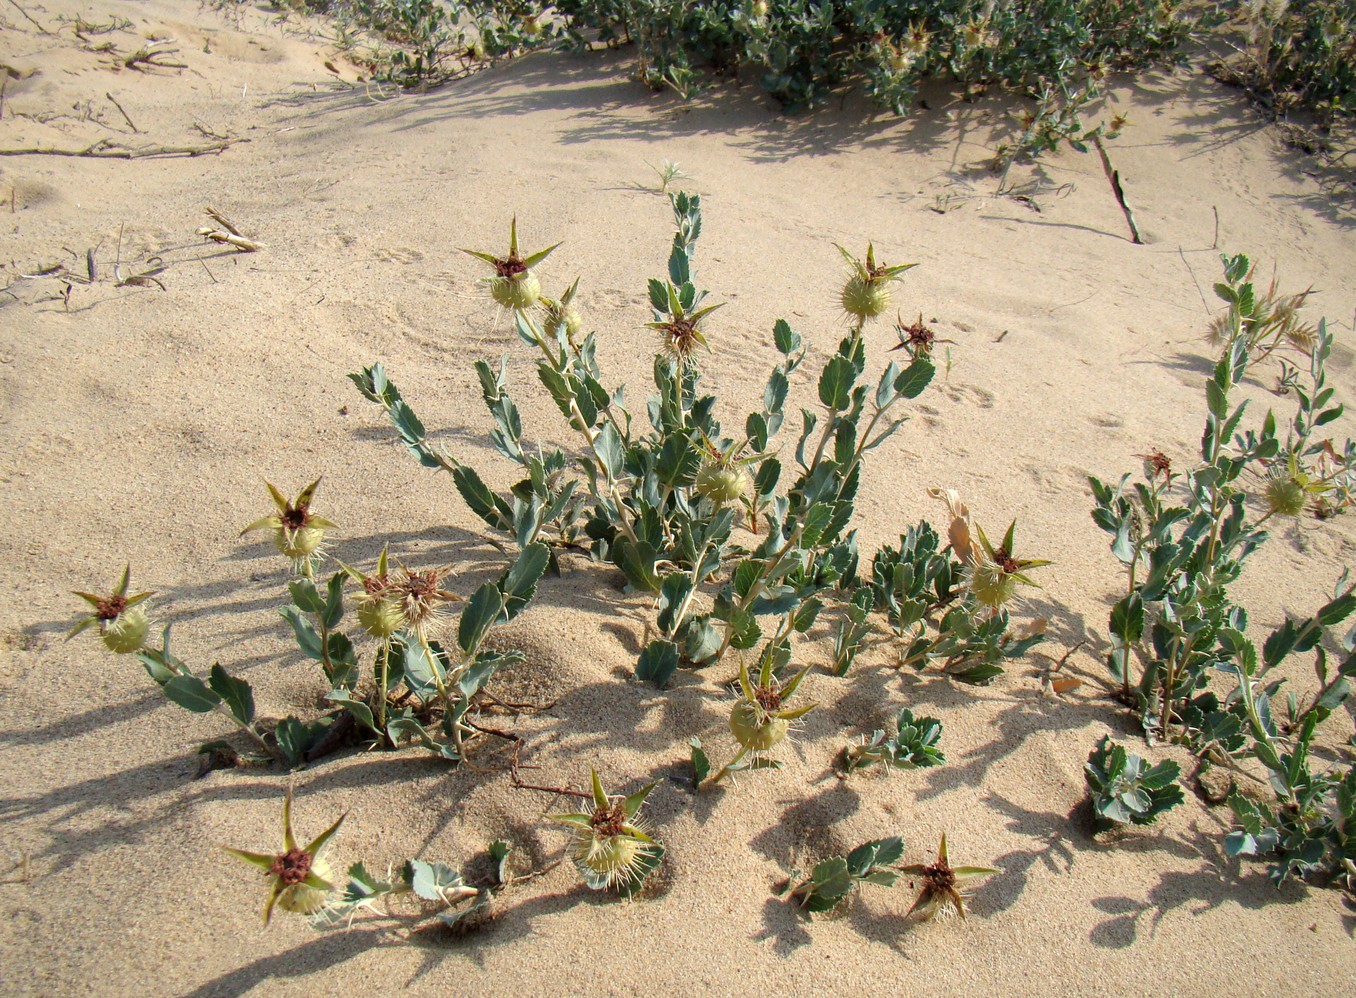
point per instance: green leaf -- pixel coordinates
(914, 378)
(434, 881)
(519, 584)
(307, 639)
(334, 601)
(835, 383)
(658, 662)
(305, 595)
(610, 451)
(360, 711)
(787, 340)
(236, 693)
(701, 764)
(192, 694)
(481, 612)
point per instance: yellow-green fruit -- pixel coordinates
(300, 543)
(1284, 496)
(302, 898)
(759, 9)
(518, 291)
(864, 299)
(754, 728)
(380, 617)
(126, 632)
(609, 857)
(723, 483)
(566, 320)
(991, 585)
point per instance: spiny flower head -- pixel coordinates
(561, 315)
(866, 294)
(917, 338)
(380, 613)
(760, 718)
(1290, 489)
(994, 574)
(297, 532)
(513, 284)
(680, 326)
(1157, 465)
(611, 847)
(122, 627)
(298, 876)
(420, 597)
(941, 886)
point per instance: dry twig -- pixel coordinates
(105, 149)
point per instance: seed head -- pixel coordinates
(297, 532)
(611, 846)
(940, 886)
(513, 284)
(299, 878)
(122, 626)
(867, 293)
(759, 719)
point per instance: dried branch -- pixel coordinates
(105, 149)
(150, 57)
(124, 114)
(1113, 177)
(31, 20)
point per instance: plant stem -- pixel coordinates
(382, 676)
(725, 770)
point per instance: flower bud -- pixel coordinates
(380, 617)
(723, 482)
(754, 728)
(127, 632)
(864, 298)
(519, 290)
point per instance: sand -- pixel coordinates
(139, 423)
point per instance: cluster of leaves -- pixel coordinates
(1124, 789)
(419, 690)
(1182, 546)
(804, 49)
(1300, 54)
(918, 581)
(421, 43)
(912, 745)
(660, 502)
(940, 886)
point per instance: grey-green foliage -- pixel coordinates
(436, 685)
(645, 494)
(912, 745)
(1125, 789)
(1311, 825)
(805, 50)
(1183, 539)
(937, 620)
(833, 879)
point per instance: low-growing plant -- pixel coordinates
(1124, 789)
(611, 845)
(685, 510)
(941, 887)
(1267, 321)
(301, 880)
(912, 745)
(1183, 538)
(832, 880)
(421, 690)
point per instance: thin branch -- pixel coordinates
(1114, 178)
(104, 149)
(30, 18)
(124, 114)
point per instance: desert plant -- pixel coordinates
(833, 879)
(422, 690)
(1183, 546)
(611, 845)
(912, 745)
(1266, 321)
(1124, 789)
(662, 506)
